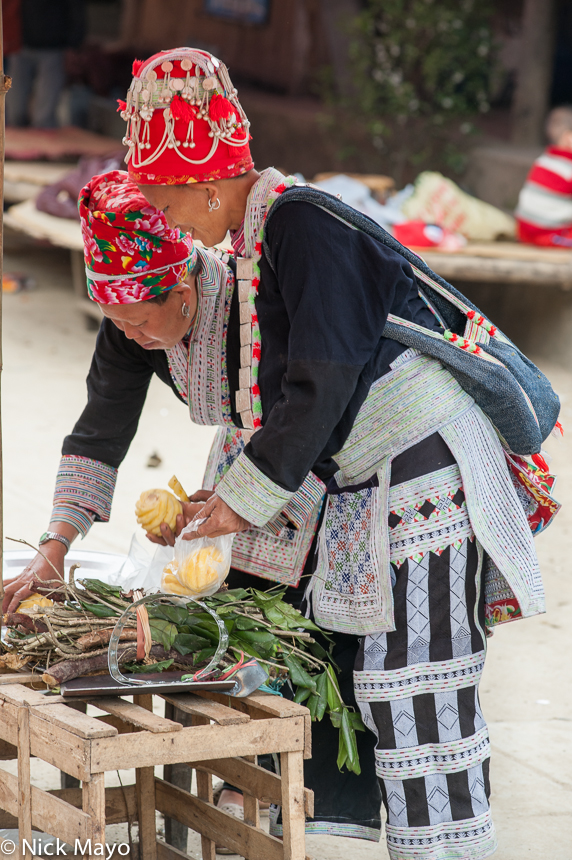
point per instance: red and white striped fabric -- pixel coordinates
(544, 211)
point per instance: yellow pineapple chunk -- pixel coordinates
(155, 507)
(196, 575)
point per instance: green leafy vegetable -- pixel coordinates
(161, 666)
(163, 632)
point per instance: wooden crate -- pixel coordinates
(224, 738)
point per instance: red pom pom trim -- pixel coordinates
(180, 109)
(220, 108)
(121, 105)
(137, 66)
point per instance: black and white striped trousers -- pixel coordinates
(417, 687)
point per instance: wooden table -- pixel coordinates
(25, 179)
(502, 263)
(224, 739)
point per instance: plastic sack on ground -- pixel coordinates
(437, 200)
(417, 234)
(200, 566)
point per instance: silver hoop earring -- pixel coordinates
(185, 310)
(214, 206)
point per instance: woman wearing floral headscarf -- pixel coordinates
(148, 280)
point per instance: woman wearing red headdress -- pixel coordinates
(400, 559)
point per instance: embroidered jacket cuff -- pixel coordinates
(79, 518)
(250, 493)
(84, 491)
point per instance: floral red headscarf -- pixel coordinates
(131, 253)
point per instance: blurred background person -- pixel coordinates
(48, 28)
(544, 211)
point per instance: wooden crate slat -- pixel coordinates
(122, 727)
(9, 793)
(93, 804)
(24, 782)
(205, 792)
(50, 813)
(278, 706)
(116, 810)
(196, 743)
(55, 815)
(307, 735)
(20, 678)
(134, 714)
(59, 747)
(169, 852)
(254, 779)
(258, 704)
(74, 721)
(197, 705)
(293, 818)
(17, 694)
(48, 741)
(219, 826)
(250, 800)
(145, 792)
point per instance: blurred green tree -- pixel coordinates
(421, 69)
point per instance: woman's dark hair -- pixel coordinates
(194, 272)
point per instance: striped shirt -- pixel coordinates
(545, 202)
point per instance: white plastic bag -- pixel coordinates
(200, 566)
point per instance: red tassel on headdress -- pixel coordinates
(220, 108)
(180, 109)
(137, 65)
(121, 105)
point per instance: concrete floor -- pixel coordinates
(526, 691)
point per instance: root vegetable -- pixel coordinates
(68, 669)
(22, 619)
(99, 638)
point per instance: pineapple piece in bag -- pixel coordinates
(200, 566)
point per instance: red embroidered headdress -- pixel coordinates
(184, 121)
(131, 253)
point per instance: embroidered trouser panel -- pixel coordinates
(417, 690)
(417, 687)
